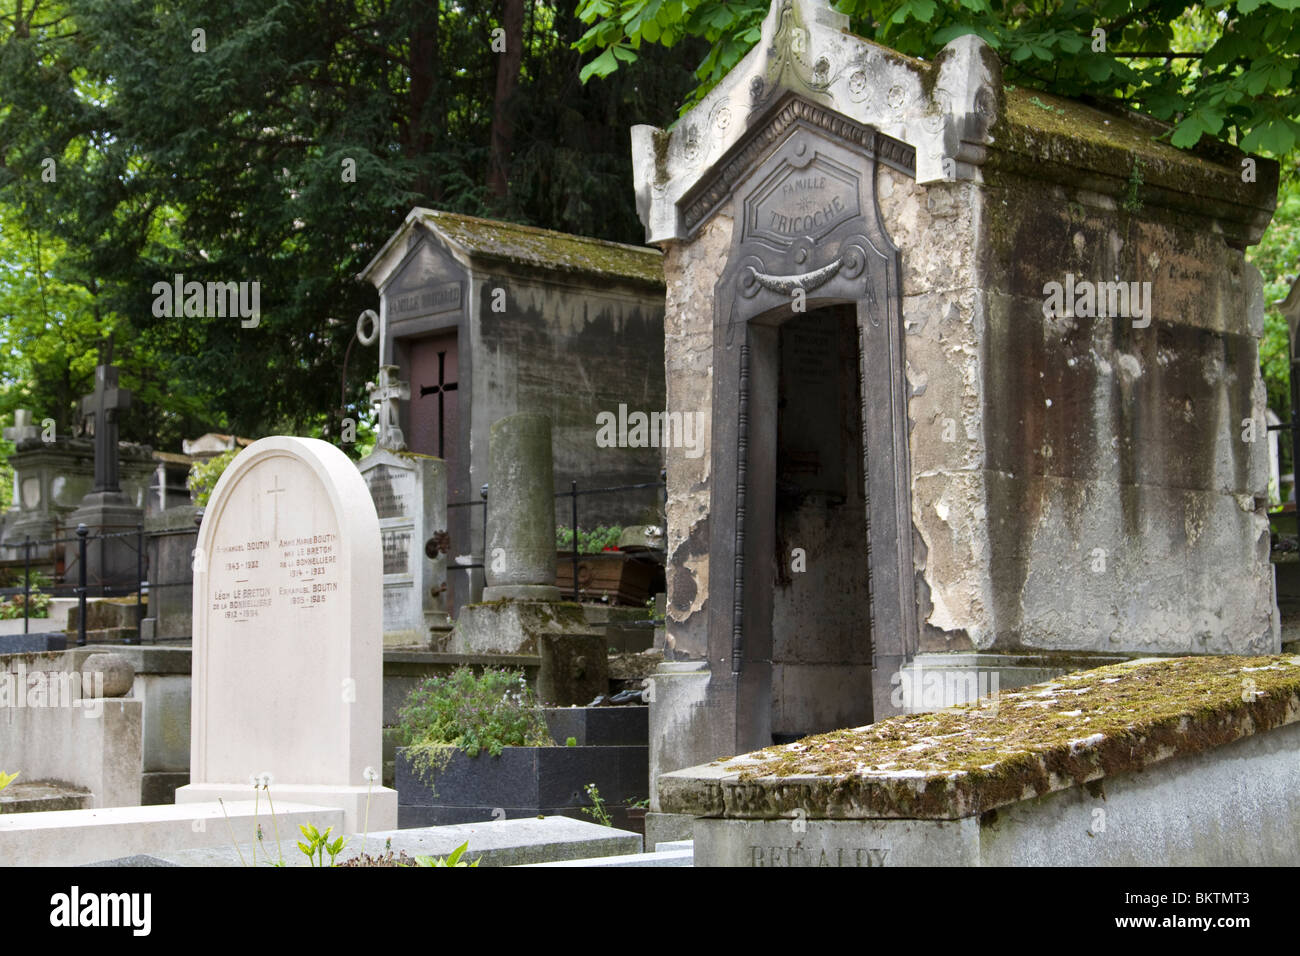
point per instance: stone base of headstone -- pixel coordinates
(110, 561)
(515, 627)
(27, 643)
(575, 669)
(361, 806)
(668, 827)
(170, 538)
(158, 788)
(38, 526)
(521, 592)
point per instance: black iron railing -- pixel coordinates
(573, 494)
(84, 538)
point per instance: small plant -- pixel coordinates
(452, 859)
(640, 804)
(597, 809)
(318, 844)
(12, 609)
(204, 474)
(489, 711)
(1044, 106)
(1132, 201)
(571, 742)
(598, 539)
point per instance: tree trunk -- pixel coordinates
(423, 109)
(508, 63)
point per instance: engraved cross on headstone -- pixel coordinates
(102, 407)
(275, 520)
(440, 390)
(385, 397)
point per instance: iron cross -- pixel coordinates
(440, 390)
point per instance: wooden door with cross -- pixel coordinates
(434, 374)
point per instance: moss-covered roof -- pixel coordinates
(1029, 742)
(545, 248)
(1098, 145)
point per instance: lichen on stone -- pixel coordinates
(1081, 727)
(546, 248)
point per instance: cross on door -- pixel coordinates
(440, 390)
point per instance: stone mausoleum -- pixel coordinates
(981, 372)
(484, 319)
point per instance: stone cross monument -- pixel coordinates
(111, 562)
(385, 397)
(23, 429)
(102, 407)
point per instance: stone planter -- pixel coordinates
(621, 577)
(611, 751)
(522, 782)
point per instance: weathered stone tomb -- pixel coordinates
(979, 366)
(485, 319)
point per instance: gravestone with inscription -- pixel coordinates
(288, 651)
(410, 495)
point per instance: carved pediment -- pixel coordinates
(788, 114)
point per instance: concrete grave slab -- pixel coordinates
(496, 843)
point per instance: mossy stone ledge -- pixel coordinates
(1077, 729)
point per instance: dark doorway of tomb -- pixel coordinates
(821, 635)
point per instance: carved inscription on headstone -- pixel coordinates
(284, 560)
(390, 488)
(397, 551)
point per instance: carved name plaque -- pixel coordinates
(397, 551)
(440, 298)
(796, 203)
(424, 286)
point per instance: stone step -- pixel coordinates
(107, 613)
(41, 795)
(74, 837)
(495, 843)
(657, 858)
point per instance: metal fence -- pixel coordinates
(84, 539)
(573, 494)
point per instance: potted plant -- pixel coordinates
(614, 564)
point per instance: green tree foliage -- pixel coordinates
(281, 145)
(1225, 69)
(1237, 79)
